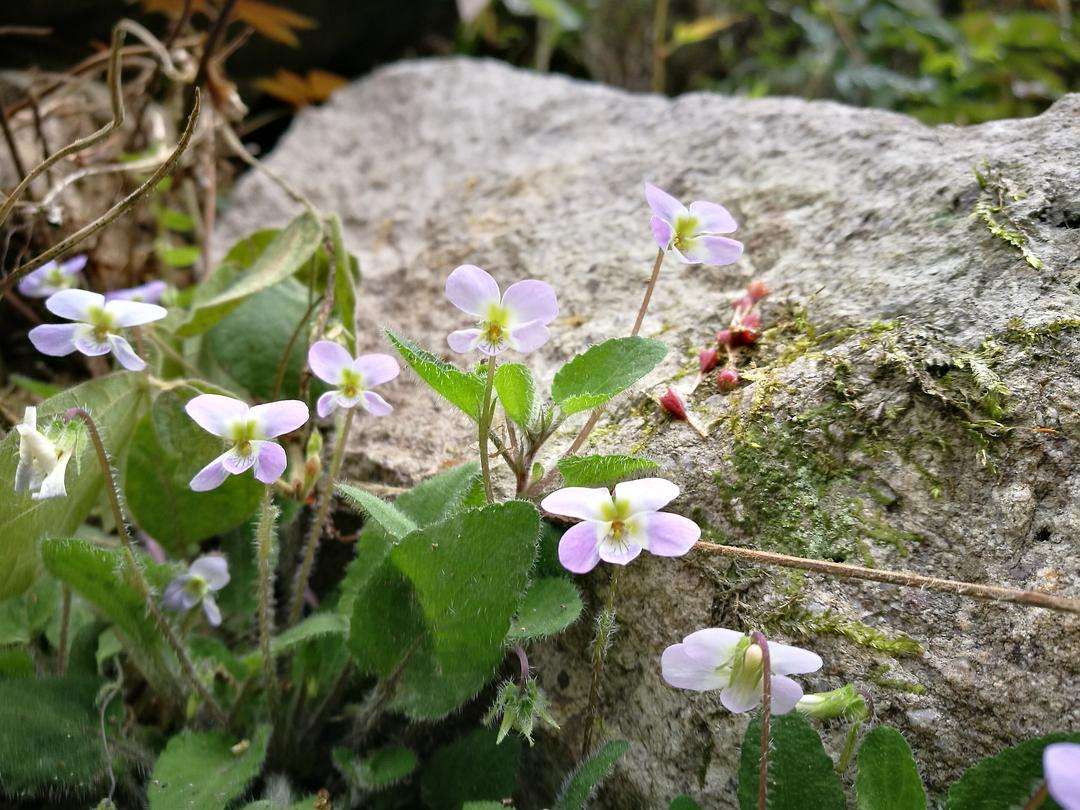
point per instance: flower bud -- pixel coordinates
(757, 289)
(727, 379)
(723, 337)
(844, 702)
(673, 404)
(708, 360)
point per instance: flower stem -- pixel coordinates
(486, 413)
(849, 747)
(648, 292)
(127, 544)
(605, 632)
(65, 628)
(1038, 799)
(766, 715)
(995, 593)
(264, 541)
(315, 530)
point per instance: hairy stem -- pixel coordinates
(65, 629)
(485, 429)
(265, 594)
(322, 512)
(849, 747)
(605, 631)
(766, 715)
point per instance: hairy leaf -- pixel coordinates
(461, 388)
(592, 471)
(801, 774)
(517, 392)
(683, 803)
(390, 519)
(206, 770)
(592, 378)
(583, 782)
(314, 626)
(472, 768)
(887, 777)
(377, 769)
(551, 605)
(1006, 780)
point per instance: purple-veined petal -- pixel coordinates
(681, 257)
(327, 360)
(211, 610)
(148, 293)
(529, 337)
(134, 313)
(713, 645)
(75, 305)
(125, 355)
(211, 476)
(75, 264)
(717, 250)
(684, 671)
(622, 553)
(661, 231)
(584, 503)
(213, 568)
(375, 404)
(376, 369)
(669, 535)
(663, 204)
(278, 418)
(54, 339)
(788, 660)
(86, 341)
(1061, 770)
(270, 462)
(578, 551)
(464, 340)
(646, 494)
(236, 462)
(785, 693)
(215, 413)
(472, 290)
(531, 300)
(741, 696)
(176, 597)
(327, 404)
(712, 217)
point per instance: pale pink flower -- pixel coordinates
(352, 378)
(516, 319)
(692, 234)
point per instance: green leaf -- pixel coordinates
(177, 255)
(24, 617)
(888, 778)
(168, 449)
(346, 282)
(683, 803)
(314, 626)
(580, 786)
(15, 662)
(283, 256)
(591, 471)
(174, 220)
(377, 769)
(461, 388)
(114, 402)
(551, 605)
(1006, 780)
(801, 774)
(517, 392)
(39, 388)
(390, 519)
(603, 371)
(200, 771)
(470, 769)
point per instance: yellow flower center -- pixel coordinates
(685, 231)
(496, 326)
(102, 322)
(352, 383)
(243, 433)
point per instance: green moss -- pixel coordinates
(992, 209)
(1017, 334)
(878, 675)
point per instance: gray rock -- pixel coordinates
(913, 353)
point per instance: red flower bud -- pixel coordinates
(723, 337)
(708, 360)
(743, 337)
(751, 320)
(757, 290)
(727, 379)
(673, 404)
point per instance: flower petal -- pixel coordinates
(215, 413)
(578, 551)
(785, 694)
(622, 553)
(134, 313)
(75, 264)
(212, 611)
(376, 369)
(717, 250)
(327, 404)
(54, 339)
(787, 660)
(661, 231)
(36, 284)
(464, 340)
(531, 300)
(713, 645)
(472, 290)
(211, 476)
(236, 462)
(584, 503)
(270, 463)
(213, 568)
(125, 355)
(741, 696)
(1061, 769)
(669, 535)
(375, 404)
(277, 418)
(176, 597)
(712, 217)
(683, 671)
(148, 293)
(53, 485)
(86, 341)
(529, 337)
(663, 204)
(327, 360)
(646, 494)
(75, 305)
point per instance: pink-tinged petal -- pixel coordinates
(661, 231)
(376, 369)
(211, 610)
(213, 568)
(713, 645)
(669, 535)
(531, 300)
(472, 290)
(327, 360)
(54, 339)
(787, 660)
(577, 548)
(86, 341)
(236, 462)
(741, 696)
(646, 494)
(464, 340)
(134, 313)
(1061, 770)
(271, 461)
(327, 404)
(278, 418)
(684, 671)
(149, 293)
(125, 355)
(712, 217)
(214, 413)
(785, 694)
(176, 596)
(36, 284)
(622, 553)
(584, 503)
(717, 250)
(75, 264)
(663, 204)
(211, 476)
(75, 305)
(375, 404)
(529, 337)
(681, 256)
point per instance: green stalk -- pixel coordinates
(486, 413)
(605, 631)
(264, 542)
